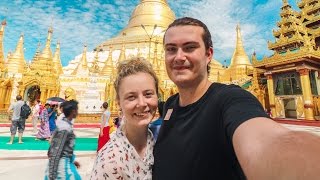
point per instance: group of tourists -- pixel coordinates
(46, 115)
(208, 130)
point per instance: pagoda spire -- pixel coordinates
(46, 53)
(239, 56)
(56, 60)
(95, 64)
(122, 56)
(3, 24)
(43, 61)
(82, 68)
(16, 62)
(108, 65)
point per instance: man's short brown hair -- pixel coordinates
(188, 21)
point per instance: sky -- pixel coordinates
(90, 22)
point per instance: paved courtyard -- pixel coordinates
(30, 165)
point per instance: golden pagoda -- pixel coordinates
(2, 62)
(237, 72)
(16, 62)
(142, 36)
(292, 72)
(40, 80)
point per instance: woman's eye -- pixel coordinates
(130, 98)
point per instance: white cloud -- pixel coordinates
(222, 16)
(92, 22)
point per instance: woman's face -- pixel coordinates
(138, 99)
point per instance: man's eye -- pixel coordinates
(170, 49)
(148, 95)
(189, 48)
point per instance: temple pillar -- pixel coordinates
(307, 94)
(271, 94)
(7, 98)
(43, 94)
(49, 93)
(2, 97)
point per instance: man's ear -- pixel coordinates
(209, 52)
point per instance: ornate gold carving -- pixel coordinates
(70, 94)
(279, 108)
(300, 108)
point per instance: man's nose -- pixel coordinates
(180, 56)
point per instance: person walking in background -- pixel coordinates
(128, 153)
(107, 126)
(52, 112)
(35, 115)
(44, 131)
(62, 164)
(17, 122)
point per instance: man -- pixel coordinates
(17, 122)
(216, 131)
(35, 115)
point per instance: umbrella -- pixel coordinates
(55, 100)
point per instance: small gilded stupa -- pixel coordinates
(240, 65)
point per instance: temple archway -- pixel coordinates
(32, 93)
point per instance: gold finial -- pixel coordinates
(162, 1)
(122, 55)
(46, 53)
(56, 60)
(84, 57)
(4, 22)
(108, 64)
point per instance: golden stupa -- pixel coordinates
(240, 67)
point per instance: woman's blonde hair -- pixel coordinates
(133, 66)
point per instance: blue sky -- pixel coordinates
(78, 22)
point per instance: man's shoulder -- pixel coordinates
(18, 103)
(170, 101)
(223, 89)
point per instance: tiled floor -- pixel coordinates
(31, 164)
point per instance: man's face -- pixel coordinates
(185, 55)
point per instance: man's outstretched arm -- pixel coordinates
(266, 150)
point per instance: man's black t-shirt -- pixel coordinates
(196, 142)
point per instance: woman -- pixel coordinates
(60, 154)
(52, 118)
(128, 153)
(44, 131)
(107, 127)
